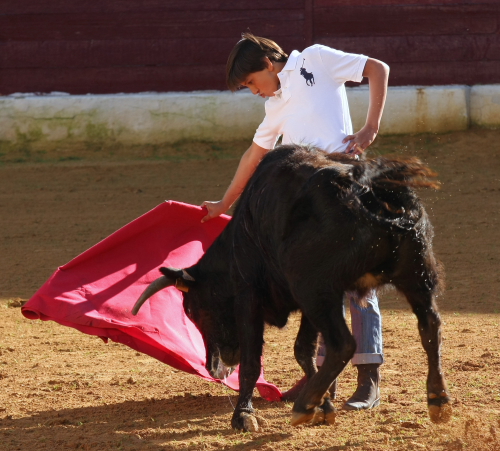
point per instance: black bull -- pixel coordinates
(308, 227)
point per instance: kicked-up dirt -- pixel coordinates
(62, 390)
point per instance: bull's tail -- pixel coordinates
(382, 190)
(390, 173)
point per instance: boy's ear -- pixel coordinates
(269, 64)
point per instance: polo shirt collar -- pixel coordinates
(292, 60)
(284, 91)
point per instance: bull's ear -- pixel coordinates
(183, 280)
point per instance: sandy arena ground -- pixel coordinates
(61, 390)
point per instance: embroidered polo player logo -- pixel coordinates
(307, 75)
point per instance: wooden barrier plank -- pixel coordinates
(420, 48)
(335, 3)
(445, 73)
(113, 79)
(96, 6)
(96, 53)
(146, 25)
(406, 20)
(117, 6)
(189, 78)
(126, 52)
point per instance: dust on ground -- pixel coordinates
(61, 389)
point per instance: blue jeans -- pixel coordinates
(366, 326)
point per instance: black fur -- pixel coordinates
(310, 226)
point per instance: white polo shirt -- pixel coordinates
(311, 105)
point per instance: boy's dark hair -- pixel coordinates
(248, 56)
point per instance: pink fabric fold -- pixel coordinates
(95, 292)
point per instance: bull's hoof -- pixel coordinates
(440, 409)
(248, 422)
(324, 414)
(316, 416)
(299, 418)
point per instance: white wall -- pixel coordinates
(155, 118)
(414, 109)
(485, 105)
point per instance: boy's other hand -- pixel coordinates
(214, 209)
(360, 140)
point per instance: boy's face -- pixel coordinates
(263, 83)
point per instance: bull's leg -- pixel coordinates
(305, 350)
(305, 347)
(326, 315)
(251, 337)
(429, 326)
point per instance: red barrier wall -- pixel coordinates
(111, 46)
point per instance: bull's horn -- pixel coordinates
(154, 287)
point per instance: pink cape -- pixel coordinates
(95, 292)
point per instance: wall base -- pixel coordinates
(153, 118)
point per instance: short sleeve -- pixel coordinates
(266, 134)
(342, 66)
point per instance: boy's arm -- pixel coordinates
(249, 161)
(377, 73)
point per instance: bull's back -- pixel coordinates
(291, 206)
(293, 185)
(305, 206)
